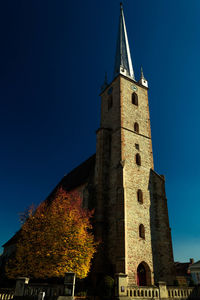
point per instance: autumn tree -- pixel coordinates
(55, 238)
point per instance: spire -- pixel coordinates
(123, 63)
(142, 74)
(142, 80)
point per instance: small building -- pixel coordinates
(183, 277)
(195, 272)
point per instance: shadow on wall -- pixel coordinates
(163, 262)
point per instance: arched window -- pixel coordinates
(138, 159)
(136, 127)
(140, 196)
(141, 231)
(110, 102)
(135, 99)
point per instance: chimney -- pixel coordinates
(191, 261)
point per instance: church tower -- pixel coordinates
(131, 208)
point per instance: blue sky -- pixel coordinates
(53, 58)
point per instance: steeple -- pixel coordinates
(142, 80)
(123, 62)
(142, 74)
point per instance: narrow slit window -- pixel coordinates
(141, 231)
(140, 196)
(136, 127)
(138, 159)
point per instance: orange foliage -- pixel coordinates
(55, 239)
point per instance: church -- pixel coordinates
(119, 182)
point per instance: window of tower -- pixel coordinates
(135, 99)
(110, 102)
(141, 231)
(137, 146)
(140, 196)
(138, 159)
(136, 127)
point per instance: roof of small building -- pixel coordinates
(182, 268)
(195, 266)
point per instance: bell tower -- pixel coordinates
(131, 211)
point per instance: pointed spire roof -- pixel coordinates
(123, 62)
(142, 74)
(142, 80)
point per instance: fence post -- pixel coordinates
(69, 286)
(20, 285)
(163, 290)
(120, 284)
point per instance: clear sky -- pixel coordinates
(53, 58)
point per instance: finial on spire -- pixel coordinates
(123, 62)
(142, 74)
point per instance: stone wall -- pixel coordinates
(161, 233)
(117, 181)
(109, 181)
(136, 177)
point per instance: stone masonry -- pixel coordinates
(118, 179)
